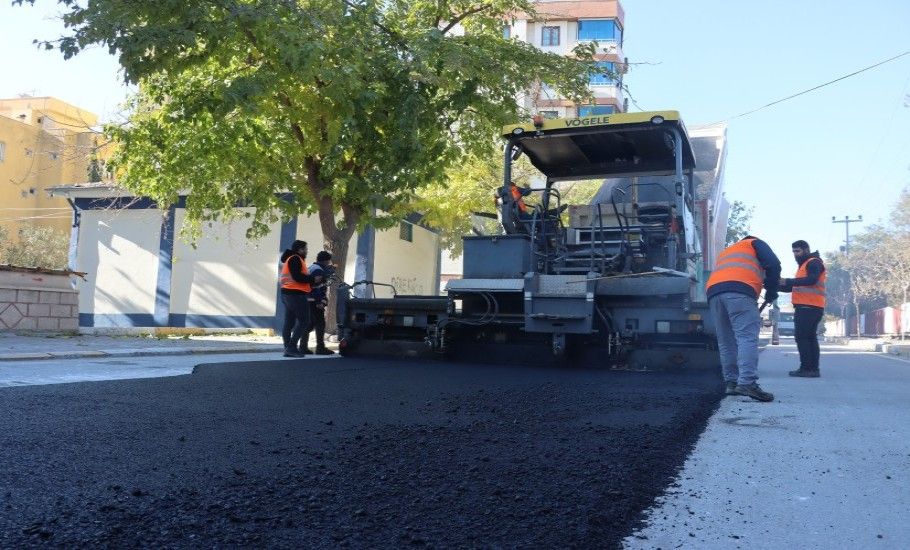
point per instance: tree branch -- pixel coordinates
(459, 18)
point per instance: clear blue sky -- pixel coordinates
(90, 80)
(842, 150)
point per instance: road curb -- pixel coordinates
(142, 352)
(136, 352)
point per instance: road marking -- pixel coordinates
(884, 356)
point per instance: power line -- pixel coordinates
(881, 141)
(789, 97)
(629, 94)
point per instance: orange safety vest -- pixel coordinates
(738, 262)
(288, 282)
(809, 295)
(516, 195)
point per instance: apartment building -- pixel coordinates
(43, 142)
(559, 26)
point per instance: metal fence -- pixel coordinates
(887, 321)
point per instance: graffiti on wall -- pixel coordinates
(407, 285)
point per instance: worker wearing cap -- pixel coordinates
(296, 284)
(808, 299)
(741, 270)
(319, 300)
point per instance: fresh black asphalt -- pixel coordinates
(346, 452)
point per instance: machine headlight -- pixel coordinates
(657, 119)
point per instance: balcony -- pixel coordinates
(606, 49)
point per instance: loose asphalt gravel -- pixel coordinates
(346, 452)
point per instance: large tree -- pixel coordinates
(877, 271)
(340, 108)
(739, 222)
(900, 214)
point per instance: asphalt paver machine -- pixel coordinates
(614, 281)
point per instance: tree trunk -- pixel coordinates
(336, 237)
(856, 314)
(903, 303)
(339, 250)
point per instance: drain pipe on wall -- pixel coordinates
(74, 240)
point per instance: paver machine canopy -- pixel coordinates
(617, 275)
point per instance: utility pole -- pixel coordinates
(847, 221)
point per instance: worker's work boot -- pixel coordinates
(805, 373)
(755, 392)
(730, 388)
(324, 351)
(292, 353)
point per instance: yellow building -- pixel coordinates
(43, 142)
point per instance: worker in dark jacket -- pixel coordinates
(808, 288)
(741, 270)
(319, 300)
(296, 285)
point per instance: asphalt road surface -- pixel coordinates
(356, 453)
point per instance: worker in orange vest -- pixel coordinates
(808, 288)
(296, 285)
(518, 194)
(741, 270)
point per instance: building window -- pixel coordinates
(549, 114)
(507, 32)
(549, 36)
(593, 110)
(547, 92)
(599, 29)
(2, 151)
(605, 75)
(406, 232)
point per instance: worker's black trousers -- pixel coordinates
(317, 323)
(805, 321)
(296, 319)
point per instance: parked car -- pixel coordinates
(785, 325)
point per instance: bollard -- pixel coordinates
(774, 314)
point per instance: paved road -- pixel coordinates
(340, 452)
(827, 465)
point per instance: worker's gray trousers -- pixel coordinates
(737, 322)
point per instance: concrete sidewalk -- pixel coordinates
(824, 466)
(889, 346)
(20, 347)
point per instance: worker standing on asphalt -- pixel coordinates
(296, 284)
(808, 290)
(319, 299)
(733, 288)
